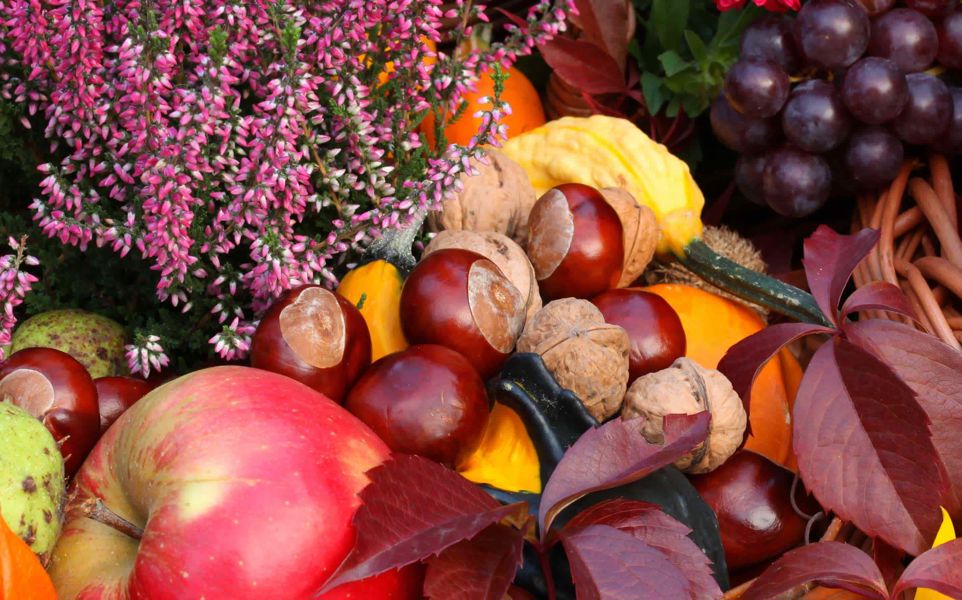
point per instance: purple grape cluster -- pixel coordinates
(834, 98)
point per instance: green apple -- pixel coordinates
(95, 341)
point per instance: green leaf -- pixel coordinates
(651, 87)
(668, 19)
(698, 49)
(672, 62)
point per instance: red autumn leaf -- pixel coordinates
(648, 523)
(481, 568)
(412, 509)
(833, 564)
(864, 448)
(613, 565)
(878, 295)
(583, 65)
(888, 560)
(614, 454)
(830, 259)
(933, 370)
(743, 361)
(937, 569)
(606, 23)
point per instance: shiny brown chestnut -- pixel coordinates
(117, 394)
(425, 400)
(461, 300)
(314, 336)
(751, 497)
(575, 242)
(654, 328)
(52, 386)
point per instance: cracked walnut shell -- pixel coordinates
(688, 388)
(585, 354)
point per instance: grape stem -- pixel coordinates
(751, 285)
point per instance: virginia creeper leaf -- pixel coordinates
(648, 523)
(610, 564)
(606, 22)
(583, 65)
(878, 295)
(934, 371)
(864, 448)
(832, 564)
(830, 259)
(939, 569)
(743, 361)
(412, 509)
(481, 568)
(614, 454)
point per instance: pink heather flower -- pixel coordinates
(242, 148)
(771, 5)
(14, 286)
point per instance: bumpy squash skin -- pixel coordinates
(375, 288)
(555, 418)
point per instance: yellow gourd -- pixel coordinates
(946, 534)
(375, 288)
(506, 458)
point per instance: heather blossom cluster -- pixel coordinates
(244, 147)
(15, 283)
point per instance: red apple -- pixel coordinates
(425, 400)
(229, 483)
(462, 300)
(52, 386)
(117, 394)
(575, 242)
(314, 336)
(654, 329)
(751, 497)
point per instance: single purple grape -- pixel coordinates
(832, 33)
(740, 133)
(906, 37)
(873, 156)
(928, 111)
(795, 183)
(874, 90)
(757, 88)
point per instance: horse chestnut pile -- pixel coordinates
(872, 84)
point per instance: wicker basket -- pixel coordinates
(920, 251)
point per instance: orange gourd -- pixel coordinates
(712, 325)
(21, 574)
(527, 112)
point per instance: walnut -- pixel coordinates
(688, 388)
(585, 354)
(499, 198)
(503, 252)
(641, 233)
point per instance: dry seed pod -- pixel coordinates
(499, 198)
(688, 388)
(641, 233)
(502, 251)
(585, 354)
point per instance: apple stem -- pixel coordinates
(96, 510)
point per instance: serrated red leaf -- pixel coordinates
(939, 569)
(583, 65)
(933, 370)
(878, 295)
(412, 509)
(743, 361)
(614, 454)
(648, 523)
(864, 449)
(832, 564)
(481, 568)
(830, 259)
(610, 564)
(606, 23)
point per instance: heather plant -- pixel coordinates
(239, 149)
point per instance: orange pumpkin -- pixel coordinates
(21, 574)
(713, 325)
(527, 113)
